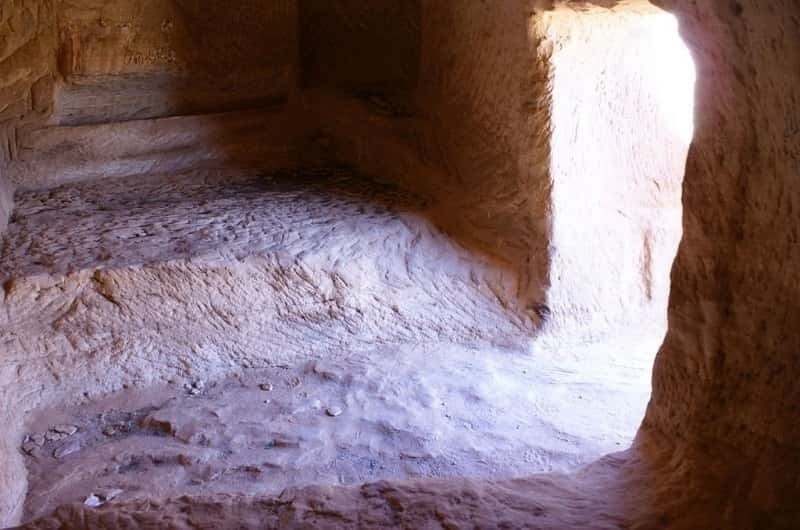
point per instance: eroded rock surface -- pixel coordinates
(396, 413)
(720, 443)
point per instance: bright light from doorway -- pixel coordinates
(672, 72)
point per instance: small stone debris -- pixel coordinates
(186, 460)
(69, 430)
(32, 442)
(327, 371)
(156, 423)
(101, 497)
(115, 428)
(333, 411)
(53, 436)
(266, 387)
(195, 388)
(67, 448)
(93, 501)
(283, 443)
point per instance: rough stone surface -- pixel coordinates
(720, 443)
(270, 269)
(491, 137)
(363, 418)
(352, 46)
(27, 37)
(729, 365)
(6, 200)
(644, 487)
(208, 39)
(57, 155)
(27, 57)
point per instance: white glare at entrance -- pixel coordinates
(672, 72)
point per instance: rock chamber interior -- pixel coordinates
(399, 264)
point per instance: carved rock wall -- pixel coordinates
(27, 39)
(729, 366)
(489, 133)
(139, 59)
(720, 442)
(358, 47)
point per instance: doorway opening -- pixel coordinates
(622, 100)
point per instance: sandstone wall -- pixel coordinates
(150, 86)
(134, 59)
(26, 78)
(727, 374)
(559, 154)
(360, 47)
(26, 52)
(478, 141)
(729, 367)
(6, 200)
(489, 134)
